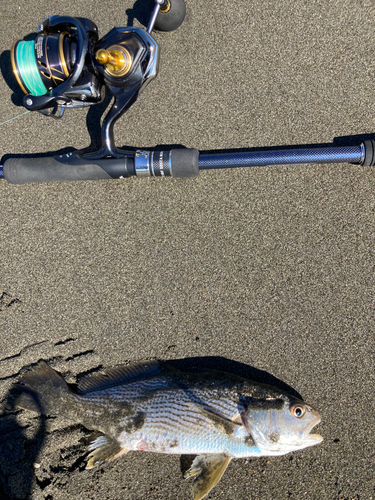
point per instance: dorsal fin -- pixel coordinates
(118, 376)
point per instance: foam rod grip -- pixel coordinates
(64, 168)
(185, 163)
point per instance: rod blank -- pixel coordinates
(332, 154)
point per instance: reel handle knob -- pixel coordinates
(104, 56)
(166, 15)
(116, 59)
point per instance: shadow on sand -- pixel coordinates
(18, 451)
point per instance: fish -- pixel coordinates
(154, 407)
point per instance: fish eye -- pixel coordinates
(297, 410)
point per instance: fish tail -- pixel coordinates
(44, 391)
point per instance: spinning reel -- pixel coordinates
(67, 66)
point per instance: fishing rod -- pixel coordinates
(68, 66)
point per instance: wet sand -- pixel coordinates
(271, 267)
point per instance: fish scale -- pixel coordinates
(174, 425)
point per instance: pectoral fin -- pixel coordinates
(217, 420)
(207, 470)
(102, 449)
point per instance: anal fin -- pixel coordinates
(207, 470)
(103, 449)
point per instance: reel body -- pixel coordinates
(55, 71)
(126, 61)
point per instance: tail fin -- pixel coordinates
(43, 391)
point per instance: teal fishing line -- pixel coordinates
(28, 68)
(14, 117)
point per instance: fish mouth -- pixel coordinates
(312, 439)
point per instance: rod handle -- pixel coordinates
(64, 168)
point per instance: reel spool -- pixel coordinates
(54, 70)
(41, 65)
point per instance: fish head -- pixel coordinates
(282, 424)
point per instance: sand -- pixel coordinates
(270, 268)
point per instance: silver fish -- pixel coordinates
(154, 407)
